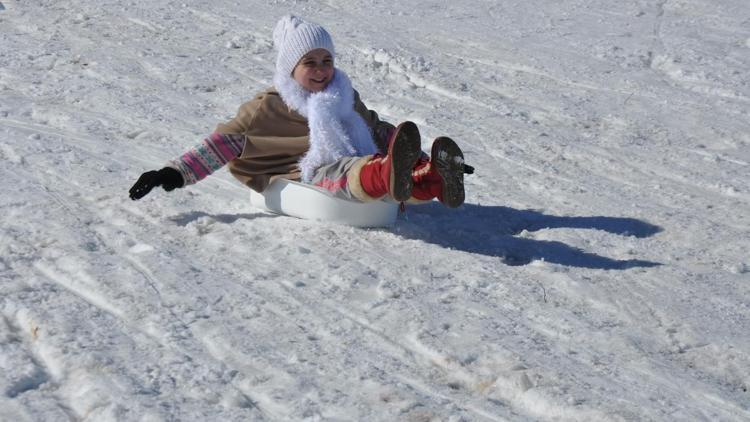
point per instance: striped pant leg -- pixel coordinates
(341, 179)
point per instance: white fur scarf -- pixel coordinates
(336, 129)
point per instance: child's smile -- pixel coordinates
(314, 70)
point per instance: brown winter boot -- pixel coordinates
(441, 177)
(391, 174)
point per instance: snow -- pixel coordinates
(598, 271)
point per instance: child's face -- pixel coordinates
(314, 70)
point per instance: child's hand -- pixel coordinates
(168, 178)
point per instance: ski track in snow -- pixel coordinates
(598, 270)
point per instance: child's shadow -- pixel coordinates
(491, 230)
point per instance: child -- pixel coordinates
(312, 126)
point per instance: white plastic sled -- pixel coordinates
(311, 203)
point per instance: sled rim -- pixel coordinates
(295, 199)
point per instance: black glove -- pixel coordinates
(168, 178)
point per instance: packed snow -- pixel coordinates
(599, 269)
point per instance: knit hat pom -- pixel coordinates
(284, 26)
(294, 37)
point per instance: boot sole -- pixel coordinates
(449, 163)
(405, 151)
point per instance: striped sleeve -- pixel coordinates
(207, 157)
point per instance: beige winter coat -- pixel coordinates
(276, 138)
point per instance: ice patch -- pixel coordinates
(10, 154)
(740, 268)
(141, 248)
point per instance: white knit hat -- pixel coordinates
(295, 37)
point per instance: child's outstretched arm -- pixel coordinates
(194, 165)
(204, 159)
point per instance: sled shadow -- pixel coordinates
(492, 230)
(186, 218)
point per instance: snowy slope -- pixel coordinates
(598, 271)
